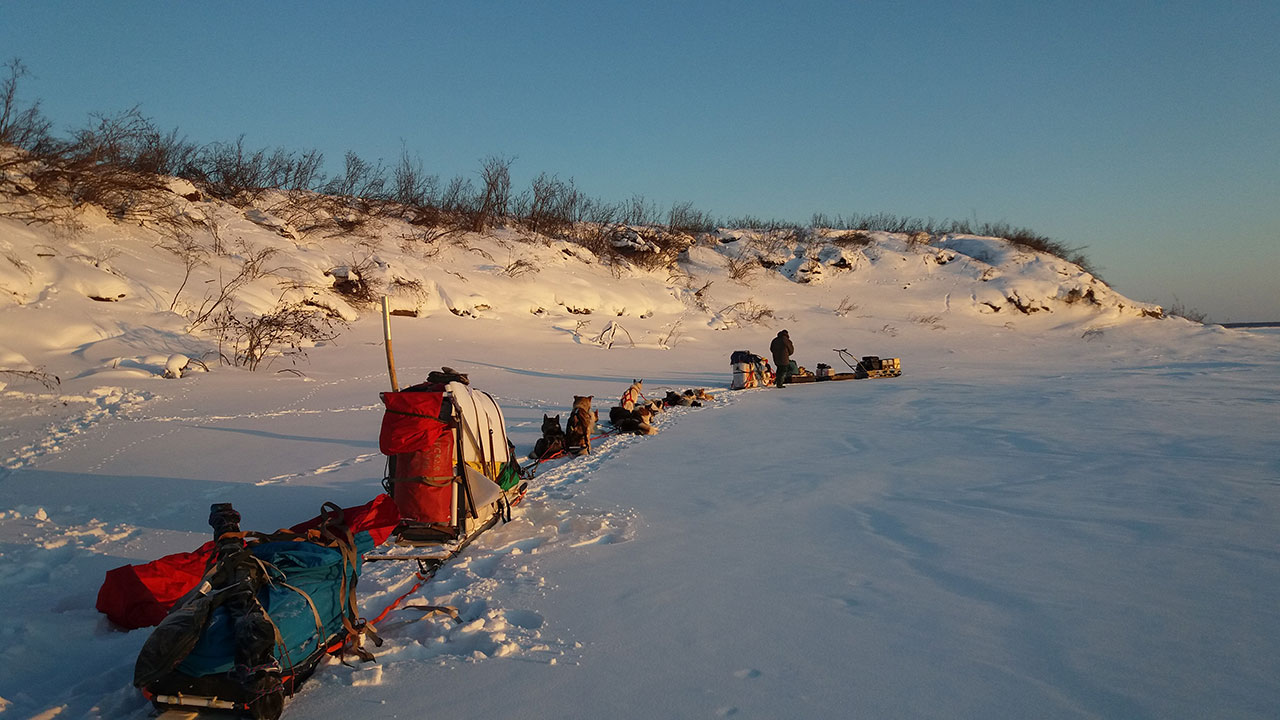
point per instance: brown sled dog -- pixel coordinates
(580, 427)
(552, 440)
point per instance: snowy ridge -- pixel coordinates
(124, 300)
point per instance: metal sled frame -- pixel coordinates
(859, 371)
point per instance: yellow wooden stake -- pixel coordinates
(386, 336)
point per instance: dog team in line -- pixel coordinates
(633, 414)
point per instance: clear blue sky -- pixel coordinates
(1148, 132)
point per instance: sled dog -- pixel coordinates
(675, 399)
(618, 413)
(632, 395)
(700, 394)
(580, 426)
(552, 440)
(638, 423)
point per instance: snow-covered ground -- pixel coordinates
(1063, 513)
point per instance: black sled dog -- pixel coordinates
(552, 440)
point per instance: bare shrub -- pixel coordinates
(192, 256)
(458, 195)
(434, 217)
(348, 203)
(1178, 309)
(685, 218)
(239, 175)
(231, 172)
(247, 340)
(750, 222)
(23, 266)
(307, 211)
(609, 334)
(98, 259)
(550, 206)
(494, 199)
(700, 296)
(596, 211)
(253, 266)
(594, 222)
(854, 238)
(695, 293)
(112, 163)
(771, 243)
(649, 248)
(636, 210)
(300, 171)
(747, 312)
(359, 180)
(845, 307)
(38, 375)
(461, 242)
(24, 128)
(519, 267)
(407, 287)
(353, 283)
(672, 336)
(429, 240)
(410, 185)
(742, 268)
(918, 229)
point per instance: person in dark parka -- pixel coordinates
(782, 350)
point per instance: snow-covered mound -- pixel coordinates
(76, 303)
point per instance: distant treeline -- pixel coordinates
(119, 162)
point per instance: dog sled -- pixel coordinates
(871, 366)
(752, 371)
(451, 471)
(266, 611)
(749, 370)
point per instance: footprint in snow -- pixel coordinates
(527, 619)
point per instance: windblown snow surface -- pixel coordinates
(1067, 510)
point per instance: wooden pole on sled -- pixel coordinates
(386, 336)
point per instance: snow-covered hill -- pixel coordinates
(1065, 507)
(113, 296)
